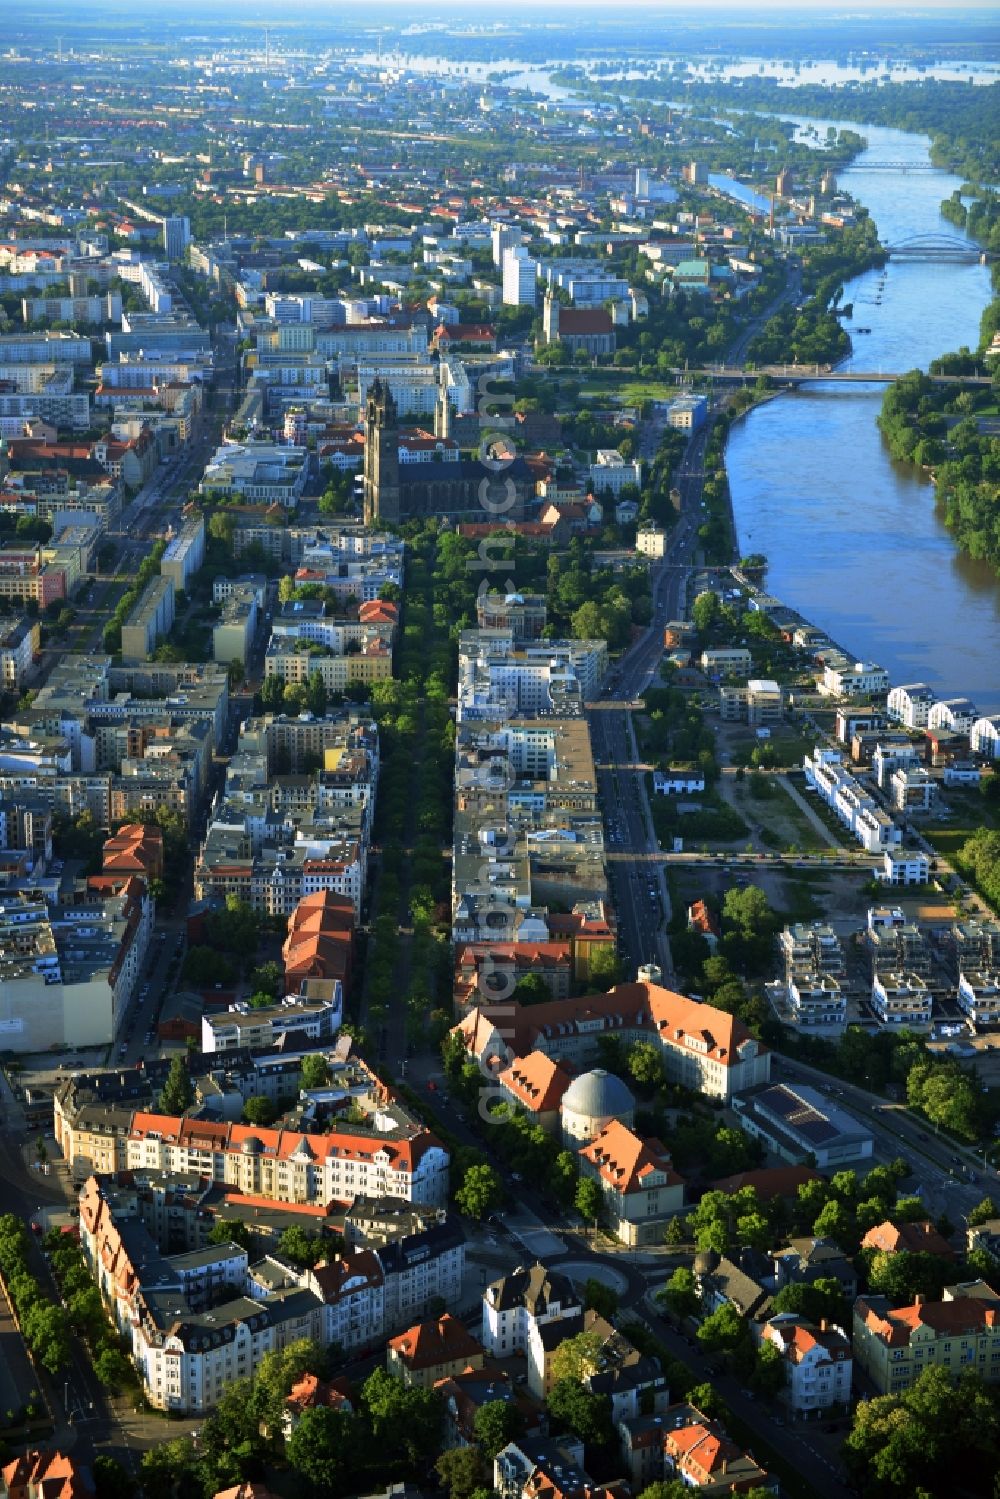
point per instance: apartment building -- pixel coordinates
(727, 661)
(984, 737)
(20, 643)
(910, 705)
(961, 1331)
(67, 976)
(902, 999)
(388, 1154)
(817, 1360)
(245, 1028)
(530, 1311)
(904, 866)
(610, 473)
(197, 1321)
(844, 794)
(681, 1443)
(855, 679)
(185, 553)
(151, 618)
(979, 997)
(956, 715)
(234, 634)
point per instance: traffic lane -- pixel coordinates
(896, 1127)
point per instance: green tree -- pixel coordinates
(113, 1369)
(259, 1110)
(315, 1071)
(111, 1480)
(177, 1095)
(462, 1470)
(768, 1374)
(578, 1357)
(480, 1192)
(302, 1248)
(403, 1420)
(726, 1329)
(903, 1275)
(983, 1212)
(600, 1298)
(645, 1063)
(589, 1199)
(495, 1424)
(321, 1449)
(588, 1416)
(823, 1299)
(316, 697)
(230, 1231)
(681, 1292)
(938, 1437)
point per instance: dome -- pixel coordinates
(591, 1102)
(598, 1095)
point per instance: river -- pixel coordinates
(854, 540)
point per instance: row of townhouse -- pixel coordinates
(196, 1321)
(385, 1153)
(826, 775)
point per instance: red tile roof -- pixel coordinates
(625, 1161)
(440, 1340)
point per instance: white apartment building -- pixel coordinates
(816, 999)
(910, 705)
(519, 272)
(902, 999)
(912, 789)
(956, 714)
(905, 866)
(984, 737)
(859, 679)
(610, 473)
(20, 642)
(827, 776)
(979, 996)
(530, 1311)
(651, 541)
(818, 1363)
(185, 553)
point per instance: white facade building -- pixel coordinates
(984, 737)
(818, 1363)
(860, 679)
(957, 714)
(910, 705)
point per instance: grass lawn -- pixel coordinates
(969, 812)
(778, 814)
(630, 389)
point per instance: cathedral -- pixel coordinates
(466, 490)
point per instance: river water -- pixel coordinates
(854, 541)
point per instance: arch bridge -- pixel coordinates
(943, 247)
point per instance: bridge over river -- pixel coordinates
(805, 374)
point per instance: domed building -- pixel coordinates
(591, 1102)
